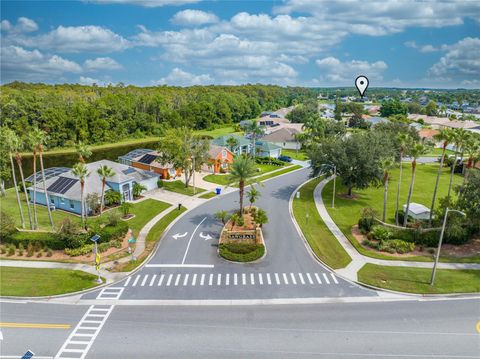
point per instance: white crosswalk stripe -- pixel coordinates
(220, 279)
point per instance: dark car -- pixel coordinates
(285, 158)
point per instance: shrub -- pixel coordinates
(39, 254)
(30, 250)
(93, 201)
(7, 225)
(159, 183)
(241, 252)
(75, 240)
(21, 248)
(240, 221)
(46, 238)
(112, 197)
(126, 207)
(397, 245)
(367, 220)
(3, 250)
(37, 246)
(49, 252)
(11, 250)
(381, 233)
(370, 244)
(85, 249)
(456, 233)
(109, 233)
(113, 218)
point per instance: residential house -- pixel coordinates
(284, 138)
(220, 159)
(64, 189)
(444, 122)
(417, 211)
(268, 149)
(376, 120)
(146, 159)
(244, 146)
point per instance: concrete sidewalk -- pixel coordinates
(358, 259)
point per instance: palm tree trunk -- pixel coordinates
(2, 187)
(405, 219)
(82, 207)
(451, 176)
(102, 203)
(385, 194)
(398, 188)
(436, 186)
(16, 192)
(241, 189)
(35, 222)
(19, 164)
(45, 188)
(253, 146)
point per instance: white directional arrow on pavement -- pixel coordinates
(207, 237)
(178, 235)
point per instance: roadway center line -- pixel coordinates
(179, 266)
(190, 240)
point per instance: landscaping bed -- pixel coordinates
(242, 242)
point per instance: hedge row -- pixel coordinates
(241, 252)
(62, 241)
(88, 248)
(269, 161)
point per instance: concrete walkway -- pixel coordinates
(358, 259)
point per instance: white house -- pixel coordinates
(417, 211)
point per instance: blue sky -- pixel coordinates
(291, 42)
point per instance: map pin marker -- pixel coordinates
(361, 82)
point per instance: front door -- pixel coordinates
(126, 192)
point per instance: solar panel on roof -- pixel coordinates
(62, 185)
(49, 173)
(147, 159)
(129, 170)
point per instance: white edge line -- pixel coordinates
(179, 266)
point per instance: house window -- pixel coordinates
(224, 153)
(62, 201)
(52, 200)
(72, 204)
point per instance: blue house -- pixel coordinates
(64, 189)
(243, 145)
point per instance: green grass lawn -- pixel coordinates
(417, 280)
(321, 240)
(223, 179)
(33, 282)
(217, 132)
(218, 179)
(347, 211)
(278, 173)
(208, 195)
(437, 152)
(144, 211)
(179, 187)
(296, 155)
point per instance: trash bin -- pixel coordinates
(218, 190)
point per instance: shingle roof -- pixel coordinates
(222, 140)
(282, 135)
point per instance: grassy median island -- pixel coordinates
(36, 282)
(417, 280)
(347, 211)
(318, 236)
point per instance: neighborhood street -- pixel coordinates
(186, 264)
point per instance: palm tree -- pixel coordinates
(472, 150)
(459, 137)
(232, 142)
(223, 216)
(138, 189)
(446, 137)
(41, 140)
(81, 172)
(12, 144)
(387, 165)
(234, 219)
(254, 130)
(416, 150)
(253, 195)
(34, 139)
(18, 159)
(83, 151)
(403, 140)
(242, 169)
(104, 172)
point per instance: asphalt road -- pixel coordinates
(186, 264)
(413, 329)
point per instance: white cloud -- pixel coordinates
(102, 63)
(70, 39)
(461, 61)
(21, 64)
(194, 17)
(146, 3)
(23, 25)
(340, 73)
(89, 81)
(381, 17)
(179, 77)
(423, 48)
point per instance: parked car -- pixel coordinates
(285, 159)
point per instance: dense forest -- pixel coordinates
(92, 114)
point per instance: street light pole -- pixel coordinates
(440, 242)
(334, 180)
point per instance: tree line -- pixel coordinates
(72, 113)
